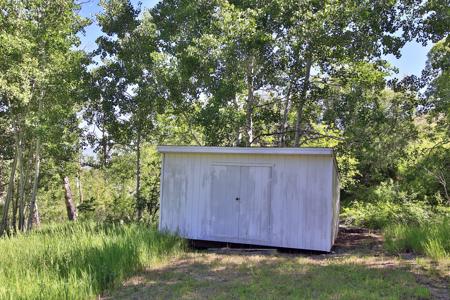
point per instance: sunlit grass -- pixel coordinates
(78, 261)
(237, 276)
(431, 239)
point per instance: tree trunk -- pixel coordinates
(282, 128)
(36, 218)
(4, 226)
(15, 206)
(22, 179)
(238, 138)
(104, 147)
(250, 102)
(301, 103)
(18, 204)
(33, 206)
(139, 204)
(79, 184)
(1, 178)
(71, 209)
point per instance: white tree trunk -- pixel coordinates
(33, 206)
(250, 102)
(4, 226)
(71, 209)
(301, 104)
(139, 204)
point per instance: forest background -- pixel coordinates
(79, 126)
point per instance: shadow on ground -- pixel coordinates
(356, 269)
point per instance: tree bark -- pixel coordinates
(250, 102)
(22, 180)
(18, 203)
(1, 177)
(282, 128)
(33, 206)
(79, 184)
(15, 206)
(139, 204)
(238, 138)
(71, 209)
(104, 147)
(4, 226)
(301, 103)
(36, 218)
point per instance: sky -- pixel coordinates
(411, 62)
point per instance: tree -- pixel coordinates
(254, 54)
(436, 76)
(128, 94)
(38, 86)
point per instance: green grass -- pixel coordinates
(234, 276)
(333, 281)
(78, 261)
(413, 227)
(431, 239)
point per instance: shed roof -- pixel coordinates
(246, 150)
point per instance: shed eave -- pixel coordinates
(245, 150)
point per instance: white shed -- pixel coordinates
(280, 197)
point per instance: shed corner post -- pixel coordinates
(161, 183)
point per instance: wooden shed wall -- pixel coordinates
(336, 202)
(302, 191)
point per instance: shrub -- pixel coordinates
(381, 214)
(388, 204)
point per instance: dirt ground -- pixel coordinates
(357, 268)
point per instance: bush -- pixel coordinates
(381, 214)
(388, 204)
(431, 238)
(78, 261)
(409, 225)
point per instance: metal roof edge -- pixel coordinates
(246, 150)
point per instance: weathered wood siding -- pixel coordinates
(274, 200)
(336, 202)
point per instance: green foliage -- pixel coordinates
(108, 193)
(437, 75)
(381, 214)
(224, 73)
(42, 87)
(387, 204)
(78, 261)
(431, 238)
(408, 225)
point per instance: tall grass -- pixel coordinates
(431, 239)
(408, 226)
(78, 261)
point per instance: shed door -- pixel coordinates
(240, 202)
(254, 210)
(224, 208)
